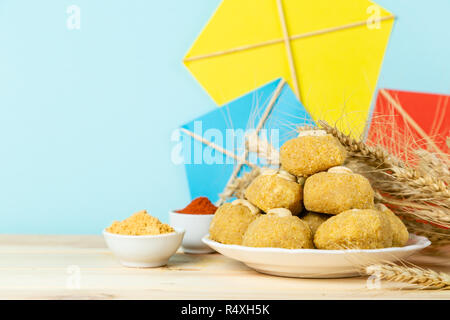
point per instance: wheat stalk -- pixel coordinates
(263, 148)
(411, 192)
(237, 186)
(425, 278)
(416, 209)
(429, 162)
(376, 155)
(383, 159)
(437, 236)
(424, 182)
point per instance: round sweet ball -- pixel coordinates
(309, 154)
(278, 231)
(269, 191)
(400, 232)
(230, 222)
(355, 229)
(334, 192)
(315, 219)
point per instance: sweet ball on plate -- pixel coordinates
(355, 229)
(336, 191)
(231, 220)
(278, 229)
(275, 189)
(315, 219)
(311, 152)
(400, 233)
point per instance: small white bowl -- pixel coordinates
(196, 226)
(144, 251)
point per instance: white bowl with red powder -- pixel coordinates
(195, 220)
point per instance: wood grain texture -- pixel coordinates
(41, 267)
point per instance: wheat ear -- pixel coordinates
(425, 278)
(423, 181)
(430, 162)
(263, 148)
(376, 155)
(383, 159)
(412, 192)
(437, 236)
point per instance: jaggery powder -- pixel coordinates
(200, 205)
(139, 224)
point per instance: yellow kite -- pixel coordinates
(329, 51)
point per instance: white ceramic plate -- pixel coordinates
(314, 263)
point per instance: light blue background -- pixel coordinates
(86, 115)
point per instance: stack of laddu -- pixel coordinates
(313, 201)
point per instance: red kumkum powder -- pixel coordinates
(200, 205)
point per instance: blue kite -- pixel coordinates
(214, 144)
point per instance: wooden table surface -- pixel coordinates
(81, 267)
